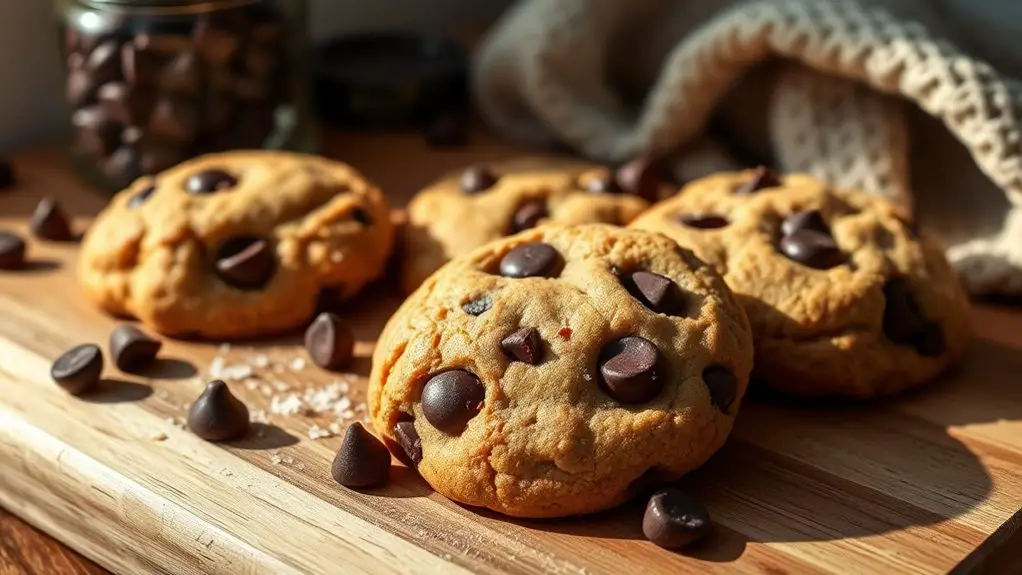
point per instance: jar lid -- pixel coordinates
(389, 79)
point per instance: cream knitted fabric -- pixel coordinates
(838, 104)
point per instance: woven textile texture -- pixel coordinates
(869, 94)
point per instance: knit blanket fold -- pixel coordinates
(837, 104)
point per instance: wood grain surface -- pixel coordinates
(909, 485)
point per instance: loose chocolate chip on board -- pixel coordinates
(78, 369)
(132, 349)
(722, 386)
(477, 179)
(603, 185)
(12, 251)
(408, 438)
(703, 221)
(49, 222)
(674, 519)
(246, 263)
(7, 174)
(531, 260)
(451, 398)
(329, 341)
(813, 249)
(362, 460)
(657, 292)
(528, 215)
(217, 415)
(478, 306)
(630, 370)
(211, 181)
(762, 178)
(640, 177)
(805, 220)
(523, 345)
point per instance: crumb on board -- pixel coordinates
(158, 436)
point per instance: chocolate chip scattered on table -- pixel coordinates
(218, 415)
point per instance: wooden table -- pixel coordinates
(944, 479)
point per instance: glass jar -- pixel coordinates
(151, 83)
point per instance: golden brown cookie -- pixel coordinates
(467, 209)
(236, 245)
(844, 297)
(557, 371)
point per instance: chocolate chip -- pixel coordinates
(133, 349)
(246, 263)
(805, 220)
(603, 185)
(722, 385)
(813, 249)
(211, 181)
(522, 345)
(7, 174)
(630, 370)
(182, 74)
(49, 222)
(657, 292)
(217, 415)
(329, 341)
(122, 104)
(477, 179)
(361, 216)
(81, 89)
(140, 197)
(531, 260)
(122, 167)
(478, 306)
(12, 251)
(78, 369)
(408, 438)
(104, 62)
(451, 398)
(528, 215)
(762, 178)
(703, 221)
(447, 130)
(640, 177)
(674, 519)
(96, 133)
(905, 324)
(175, 120)
(140, 63)
(362, 461)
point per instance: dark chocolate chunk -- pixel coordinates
(451, 398)
(140, 63)
(805, 220)
(96, 133)
(657, 292)
(123, 105)
(630, 370)
(140, 197)
(476, 179)
(674, 519)
(12, 251)
(80, 89)
(245, 262)
(722, 386)
(329, 341)
(528, 215)
(703, 221)
(217, 415)
(531, 260)
(49, 222)
(640, 177)
(362, 461)
(104, 62)
(7, 174)
(762, 178)
(813, 249)
(78, 369)
(408, 438)
(478, 306)
(211, 181)
(603, 185)
(523, 345)
(132, 349)
(905, 324)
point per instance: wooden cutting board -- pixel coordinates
(910, 485)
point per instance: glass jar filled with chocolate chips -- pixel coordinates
(151, 83)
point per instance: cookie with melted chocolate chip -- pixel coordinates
(844, 296)
(484, 202)
(236, 245)
(543, 374)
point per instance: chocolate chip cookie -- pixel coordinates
(557, 371)
(844, 295)
(236, 245)
(465, 210)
